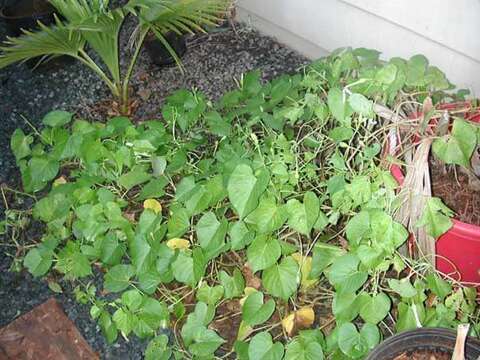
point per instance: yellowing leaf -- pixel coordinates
(247, 291)
(288, 323)
(61, 180)
(305, 263)
(244, 331)
(177, 243)
(306, 316)
(298, 320)
(153, 205)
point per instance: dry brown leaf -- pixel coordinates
(144, 94)
(116, 110)
(250, 279)
(431, 300)
(298, 320)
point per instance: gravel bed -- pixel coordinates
(212, 62)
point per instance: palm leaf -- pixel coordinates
(76, 11)
(179, 16)
(50, 41)
(102, 32)
(98, 25)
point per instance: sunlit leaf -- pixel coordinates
(300, 319)
(177, 243)
(153, 205)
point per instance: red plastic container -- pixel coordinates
(458, 250)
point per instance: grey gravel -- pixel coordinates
(212, 62)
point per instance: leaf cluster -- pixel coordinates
(268, 198)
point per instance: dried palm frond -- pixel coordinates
(416, 190)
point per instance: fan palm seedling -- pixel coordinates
(91, 24)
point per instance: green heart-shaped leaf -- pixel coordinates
(281, 280)
(263, 252)
(254, 311)
(244, 188)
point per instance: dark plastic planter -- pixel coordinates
(458, 250)
(436, 339)
(158, 52)
(24, 14)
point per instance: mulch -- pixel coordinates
(424, 355)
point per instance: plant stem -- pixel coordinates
(35, 129)
(128, 74)
(87, 60)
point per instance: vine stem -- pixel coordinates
(6, 188)
(5, 202)
(34, 129)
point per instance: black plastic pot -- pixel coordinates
(24, 14)
(158, 52)
(434, 339)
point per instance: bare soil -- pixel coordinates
(424, 354)
(453, 186)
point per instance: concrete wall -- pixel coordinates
(447, 32)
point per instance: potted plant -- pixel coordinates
(24, 14)
(451, 161)
(94, 24)
(159, 54)
(426, 343)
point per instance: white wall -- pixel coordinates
(446, 31)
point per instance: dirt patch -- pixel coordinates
(453, 186)
(424, 354)
(227, 322)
